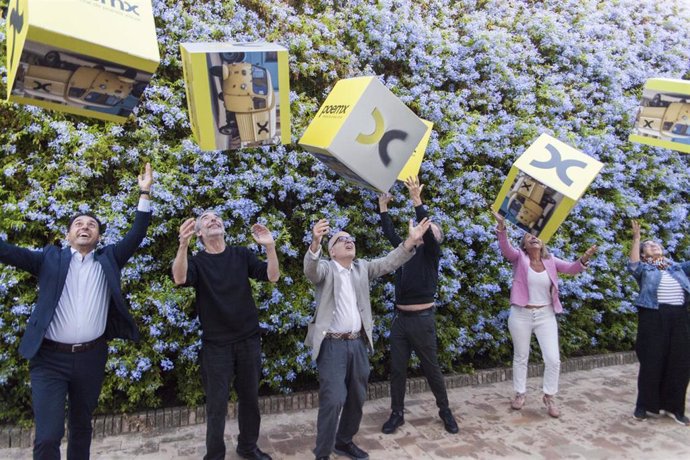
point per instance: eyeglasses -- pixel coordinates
(344, 239)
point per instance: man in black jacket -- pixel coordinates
(80, 306)
(414, 325)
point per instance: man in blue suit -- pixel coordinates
(80, 306)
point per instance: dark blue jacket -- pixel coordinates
(50, 266)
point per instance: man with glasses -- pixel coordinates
(341, 330)
(231, 346)
(414, 323)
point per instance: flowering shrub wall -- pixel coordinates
(491, 75)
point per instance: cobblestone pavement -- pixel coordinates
(596, 423)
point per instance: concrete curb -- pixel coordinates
(160, 419)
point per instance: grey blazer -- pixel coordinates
(322, 272)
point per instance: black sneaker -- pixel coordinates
(255, 454)
(640, 414)
(680, 419)
(396, 419)
(351, 450)
(449, 422)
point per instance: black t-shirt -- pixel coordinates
(417, 279)
(224, 301)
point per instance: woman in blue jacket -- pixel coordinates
(663, 339)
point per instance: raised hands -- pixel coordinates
(500, 220)
(635, 229)
(321, 228)
(415, 190)
(588, 254)
(262, 235)
(415, 233)
(187, 231)
(146, 178)
(384, 199)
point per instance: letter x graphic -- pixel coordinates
(263, 127)
(648, 124)
(38, 86)
(560, 165)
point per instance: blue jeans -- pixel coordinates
(220, 366)
(76, 377)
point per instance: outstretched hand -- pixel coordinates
(146, 178)
(635, 229)
(262, 235)
(415, 189)
(321, 228)
(187, 231)
(416, 232)
(500, 220)
(384, 199)
(588, 254)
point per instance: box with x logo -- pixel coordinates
(364, 133)
(663, 117)
(86, 57)
(238, 94)
(544, 184)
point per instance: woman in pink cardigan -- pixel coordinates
(533, 307)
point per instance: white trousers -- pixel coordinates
(542, 322)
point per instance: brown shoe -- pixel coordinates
(518, 401)
(551, 408)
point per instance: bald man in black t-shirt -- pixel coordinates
(231, 346)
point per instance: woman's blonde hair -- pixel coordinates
(544, 252)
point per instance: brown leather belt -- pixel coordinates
(70, 347)
(343, 335)
(534, 307)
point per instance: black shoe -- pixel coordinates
(396, 419)
(449, 422)
(255, 454)
(640, 414)
(351, 450)
(680, 419)
(323, 458)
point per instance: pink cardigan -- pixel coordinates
(519, 295)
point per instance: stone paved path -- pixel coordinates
(596, 423)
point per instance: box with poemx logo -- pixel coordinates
(364, 133)
(86, 57)
(238, 94)
(544, 184)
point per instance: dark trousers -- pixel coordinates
(663, 349)
(343, 376)
(55, 377)
(220, 364)
(416, 332)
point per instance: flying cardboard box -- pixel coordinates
(238, 94)
(86, 57)
(544, 184)
(364, 133)
(663, 118)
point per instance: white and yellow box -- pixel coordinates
(364, 133)
(238, 94)
(86, 57)
(544, 184)
(663, 118)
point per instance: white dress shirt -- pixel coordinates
(346, 317)
(82, 311)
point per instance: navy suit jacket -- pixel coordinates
(50, 266)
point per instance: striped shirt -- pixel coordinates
(670, 292)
